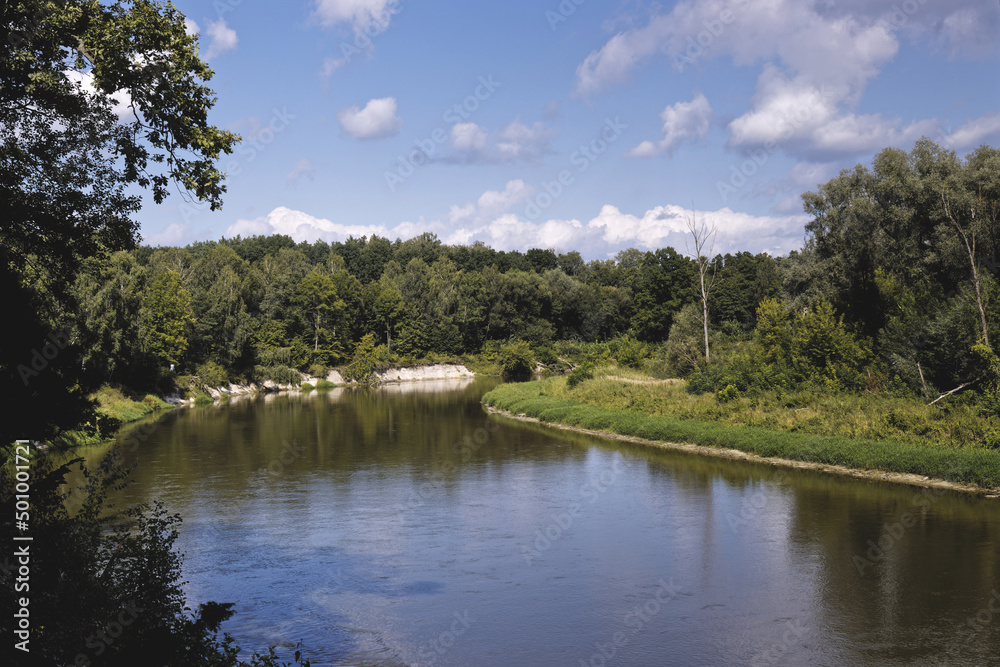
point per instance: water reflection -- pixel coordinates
(400, 526)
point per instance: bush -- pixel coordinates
(324, 384)
(279, 374)
(582, 372)
(203, 399)
(516, 360)
(631, 353)
(730, 393)
(211, 374)
(547, 356)
(305, 386)
(368, 359)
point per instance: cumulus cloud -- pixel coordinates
(816, 61)
(304, 227)
(608, 232)
(681, 122)
(376, 120)
(472, 144)
(223, 38)
(174, 234)
(974, 133)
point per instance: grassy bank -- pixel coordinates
(116, 406)
(633, 405)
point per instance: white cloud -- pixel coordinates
(682, 121)
(472, 144)
(362, 15)
(304, 227)
(518, 141)
(120, 100)
(376, 120)
(190, 27)
(468, 137)
(303, 168)
(975, 132)
(174, 234)
(815, 61)
(610, 231)
(223, 38)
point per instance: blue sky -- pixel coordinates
(573, 125)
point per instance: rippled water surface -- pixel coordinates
(400, 526)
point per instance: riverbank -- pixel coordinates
(975, 470)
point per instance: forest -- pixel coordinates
(894, 289)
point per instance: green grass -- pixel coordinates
(644, 411)
(115, 406)
(126, 406)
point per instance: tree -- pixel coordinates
(321, 306)
(67, 161)
(110, 296)
(703, 235)
(167, 318)
(661, 288)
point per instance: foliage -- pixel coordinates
(813, 348)
(212, 375)
(584, 371)
(631, 353)
(899, 435)
(369, 357)
(167, 318)
(516, 360)
(69, 166)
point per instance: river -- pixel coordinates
(400, 526)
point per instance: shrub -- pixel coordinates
(582, 372)
(305, 386)
(277, 373)
(631, 353)
(317, 371)
(547, 356)
(516, 360)
(729, 393)
(368, 358)
(211, 374)
(324, 384)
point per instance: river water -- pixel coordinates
(401, 526)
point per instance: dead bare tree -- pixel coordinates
(703, 235)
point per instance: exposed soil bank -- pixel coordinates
(735, 454)
(392, 375)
